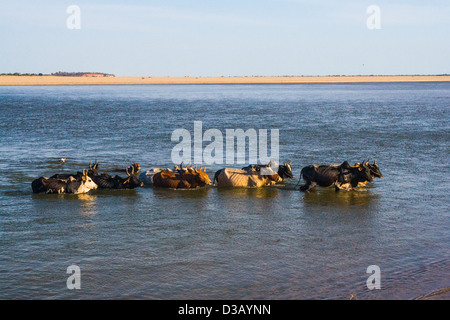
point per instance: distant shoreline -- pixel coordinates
(58, 80)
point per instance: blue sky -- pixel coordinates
(226, 38)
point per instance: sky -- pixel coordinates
(226, 38)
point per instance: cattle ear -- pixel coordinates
(126, 181)
(83, 178)
(360, 168)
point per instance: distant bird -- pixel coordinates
(62, 160)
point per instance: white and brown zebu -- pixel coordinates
(229, 177)
(253, 176)
(69, 185)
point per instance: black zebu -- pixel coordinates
(341, 176)
(136, 167)
(374, 172)
(105, 181)
(374, 169)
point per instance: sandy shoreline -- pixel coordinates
(55, 80)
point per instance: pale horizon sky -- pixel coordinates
(226, 38)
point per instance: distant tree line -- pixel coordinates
(21, 74)
(80, 74)
(60, 74)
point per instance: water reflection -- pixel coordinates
(262, 193)
(341, 199)
(88, 205)
(166, 193)
(87, 201)
(127, 193)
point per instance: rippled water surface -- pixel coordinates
(271, 243)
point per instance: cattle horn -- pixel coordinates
(375, 162)
(290, 162)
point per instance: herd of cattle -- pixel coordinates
(342, 176)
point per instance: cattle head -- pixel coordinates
(87, 181)
(285, 171)
(132, 180)
(196, 176)
(374, 170)
(93, 166)
(136, 167)
(364, 172)
(203, 176)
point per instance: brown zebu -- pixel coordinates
(183, 178)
